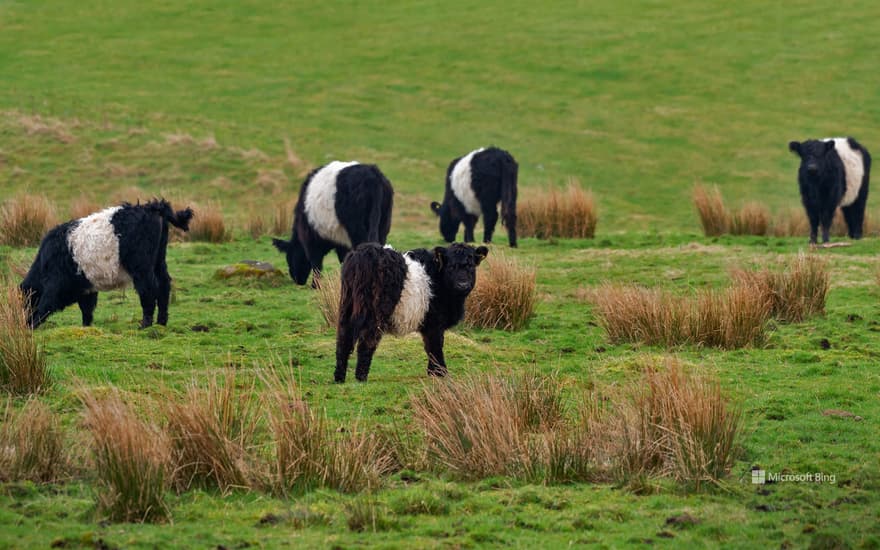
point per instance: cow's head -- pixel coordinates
(297, 263)
(813, 155)
(449, 221)
(458, 266)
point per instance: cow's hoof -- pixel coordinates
(337, 380)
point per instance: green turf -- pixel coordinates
(637, 100)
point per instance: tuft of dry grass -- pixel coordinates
(297, 165)
(256, 226)
(23, 366)
(537, 401)
(504, 296)
(752, 219)
(714, 216)
(469, 427)
(82, 206)
(328, 290)
(24, 219)
(282, 221)
(567, 214)
(676, 424)
(31, 444)
(131, 460)
(309, 454)
(796, 292)
(207, 225)
(794, 223)
(212, 432)
(731, 318)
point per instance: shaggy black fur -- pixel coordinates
(55, 281)
(364, 199)
(822, 181)
(493, 179)
(372, 282)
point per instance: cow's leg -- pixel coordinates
(854, 215)
(367, 344)
(433, 340)
(827, 217)
(510, 223)
(344, 345)
(470, 222)
(341, 252)
(87, 304)
(163, 297)
(315, 252)
(813, 216)
(148, 289)
(490, 218)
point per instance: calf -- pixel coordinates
(341, 205)
(834, 172)
(385, 291)
(110, 249)
(475, 183)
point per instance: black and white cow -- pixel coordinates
(341, 205)
(386, 291)
(110, 249)
(475, 184)
(834, 172)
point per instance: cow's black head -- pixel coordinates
(297, 262)
(458, 266)
(814, 154)
(449, 222)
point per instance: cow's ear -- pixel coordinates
(481, 253)
(282, 246)
(794, 147)
(829, 145)
(439, 256)
(435, 207)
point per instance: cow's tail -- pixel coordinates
(380, 211)
(360, 289)
(509, 172)
(180, 219)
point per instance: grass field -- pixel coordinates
(637, 101)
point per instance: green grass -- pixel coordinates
(638, 101)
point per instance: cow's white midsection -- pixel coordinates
(320, 204)
(414, 299)
(853, 165)
(94, 246)
(461, 184)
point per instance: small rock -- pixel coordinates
(248, 268)
(199, 328)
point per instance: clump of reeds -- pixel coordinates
(566, 214)
(212, 431)
(714, 216)
(675, 424)
(23, 366)
(207, 225)
(752, 219)
(83, 206)
(310, 454)
(731, 318)
(31, 444)
(795, 292)
(328, 289)
(131, 460)
(282, 220)
(504, 296)
(24, 219)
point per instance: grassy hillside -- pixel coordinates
(637, 100)
(107, 100)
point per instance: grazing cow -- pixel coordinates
(386, 291)
(110, 249)
(341, 205)
(834, 172)
(475, 183)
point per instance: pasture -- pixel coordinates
(227, 105)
